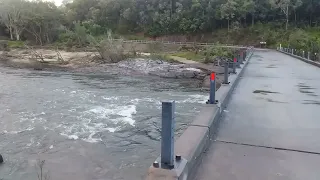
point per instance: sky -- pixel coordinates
(57, 2)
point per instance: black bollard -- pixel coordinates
(245, 55)
(238, 61)
(226, 73)
(234, 66)
(1, 159)
(241, 57)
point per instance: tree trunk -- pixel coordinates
(48, 39)
(295, 17)
(287, 17)
(11, 34)
(287, 22)
(228, 25)
(17, 35)
(252, 22)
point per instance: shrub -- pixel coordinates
(110, 50)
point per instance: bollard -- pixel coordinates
(234, 65)
(308, 55)
(1, 159)
(237, 61)
(167, 134)
(315, 56)
(302, 54)
(292, 51)
(241, 57)
(226, 73)
(212, 99)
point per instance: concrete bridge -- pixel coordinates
(266, 125)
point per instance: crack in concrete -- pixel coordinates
(269, 147)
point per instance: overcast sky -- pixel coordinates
(57, 2)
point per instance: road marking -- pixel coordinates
(269, 147)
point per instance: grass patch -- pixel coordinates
(164, 57)
(190, 55)
(15, 44)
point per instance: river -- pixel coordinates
(86, 126)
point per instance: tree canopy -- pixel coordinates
(42, 22)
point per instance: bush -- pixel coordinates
(78, 37)
(110, 50)
(218, 51)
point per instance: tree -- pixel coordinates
(11, 13)
(295, 4)
(42, 21)
(228, 10)
(283, 5)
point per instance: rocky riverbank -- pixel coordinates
(87, 62)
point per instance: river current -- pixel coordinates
(86, 126)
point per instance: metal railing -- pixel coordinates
(313, 56)
(176, 42)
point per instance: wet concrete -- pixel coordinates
(268, 135)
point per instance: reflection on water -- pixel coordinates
(86, 126)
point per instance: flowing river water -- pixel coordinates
(86, 126)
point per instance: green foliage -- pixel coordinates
(78, 37)
(218, 51)
(164, 57)
(109, 49)
(15, 44)
(206, 54)
(42, 22)
(190, 55)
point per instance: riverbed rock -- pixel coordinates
(162, 68)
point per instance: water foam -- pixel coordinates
(125, 113)
(99, 119)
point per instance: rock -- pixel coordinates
(206, 82)
(1, 159)
(188, 74)
(38, 69)
(161, 68)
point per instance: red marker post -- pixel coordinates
(212, 99)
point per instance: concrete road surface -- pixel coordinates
(271, 127)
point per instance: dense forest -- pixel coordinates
(43, 22)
